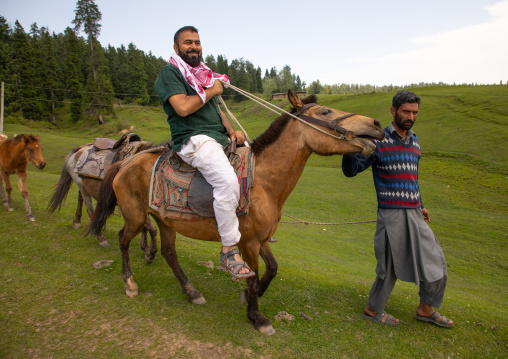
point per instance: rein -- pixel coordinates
(348, 135)
(307, 120)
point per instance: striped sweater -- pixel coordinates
(394, 169)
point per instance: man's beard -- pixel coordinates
(191, 61)
(405, 125)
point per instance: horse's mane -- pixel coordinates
(18, 138)
(273, 132)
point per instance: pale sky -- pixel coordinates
(377, 42)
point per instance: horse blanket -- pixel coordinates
(94, 162)
(179, 191)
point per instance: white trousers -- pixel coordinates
(207, 155)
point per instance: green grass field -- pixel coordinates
(55, 304)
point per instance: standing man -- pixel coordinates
(404, 244)
(188, 90)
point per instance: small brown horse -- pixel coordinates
(89, 190)
(14, 156)
(281, 154)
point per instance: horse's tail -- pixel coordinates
(105, 203)
(62, 187)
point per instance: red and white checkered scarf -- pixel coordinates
(199, 77)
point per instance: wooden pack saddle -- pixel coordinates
(98, 156)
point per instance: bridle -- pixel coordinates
(307, 120)
(348, 135)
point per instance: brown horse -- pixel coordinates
(281, 154)
(89, 190)
(14, 156)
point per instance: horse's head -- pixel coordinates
(33, 150)
(351, 133)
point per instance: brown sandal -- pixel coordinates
(234, 267)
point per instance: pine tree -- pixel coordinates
(73, 75)
(99, 91)
(30, 107)
(112, 61)
(88, 16)
(222, 65)
(153, 65)
(286, 79)
(6, 64)
(211, 63)
(259, 80)
(99, 85)
(51, 73)
(137, 75)
(242, 81)
(122, 72)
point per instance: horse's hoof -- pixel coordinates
(31, 219)
(131, 293)
(104, 243)
(268, 330)
(149, 260)
(76, 225)
(199, 301)
(131, 288)
(10, 209)
(243, 297)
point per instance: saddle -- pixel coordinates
(100, 155)
(179, 191)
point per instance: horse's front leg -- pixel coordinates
(79, 210)
(2, 192)
(255, 287)
(260, 322)
(270, 272)
(24, 193)
(168, 251)
(6, 197)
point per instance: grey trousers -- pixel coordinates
(430, 293)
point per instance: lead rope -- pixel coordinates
(299, 221)
(270, 107)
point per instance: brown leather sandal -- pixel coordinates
(228, 262)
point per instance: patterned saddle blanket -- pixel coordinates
(99, 156)
(179, 191)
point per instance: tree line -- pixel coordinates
(43, 71)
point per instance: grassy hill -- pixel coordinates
(55, 304)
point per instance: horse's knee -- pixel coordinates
(273, 270)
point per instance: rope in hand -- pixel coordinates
(298, 221)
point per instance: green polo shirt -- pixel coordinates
(206, 121)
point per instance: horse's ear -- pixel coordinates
(24, 138)
(295, 100)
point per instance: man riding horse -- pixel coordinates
(188, 90)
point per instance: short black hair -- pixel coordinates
(403, 97)
(185, 28)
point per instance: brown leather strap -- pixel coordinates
(333, 125)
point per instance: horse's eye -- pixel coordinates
(327, 112)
